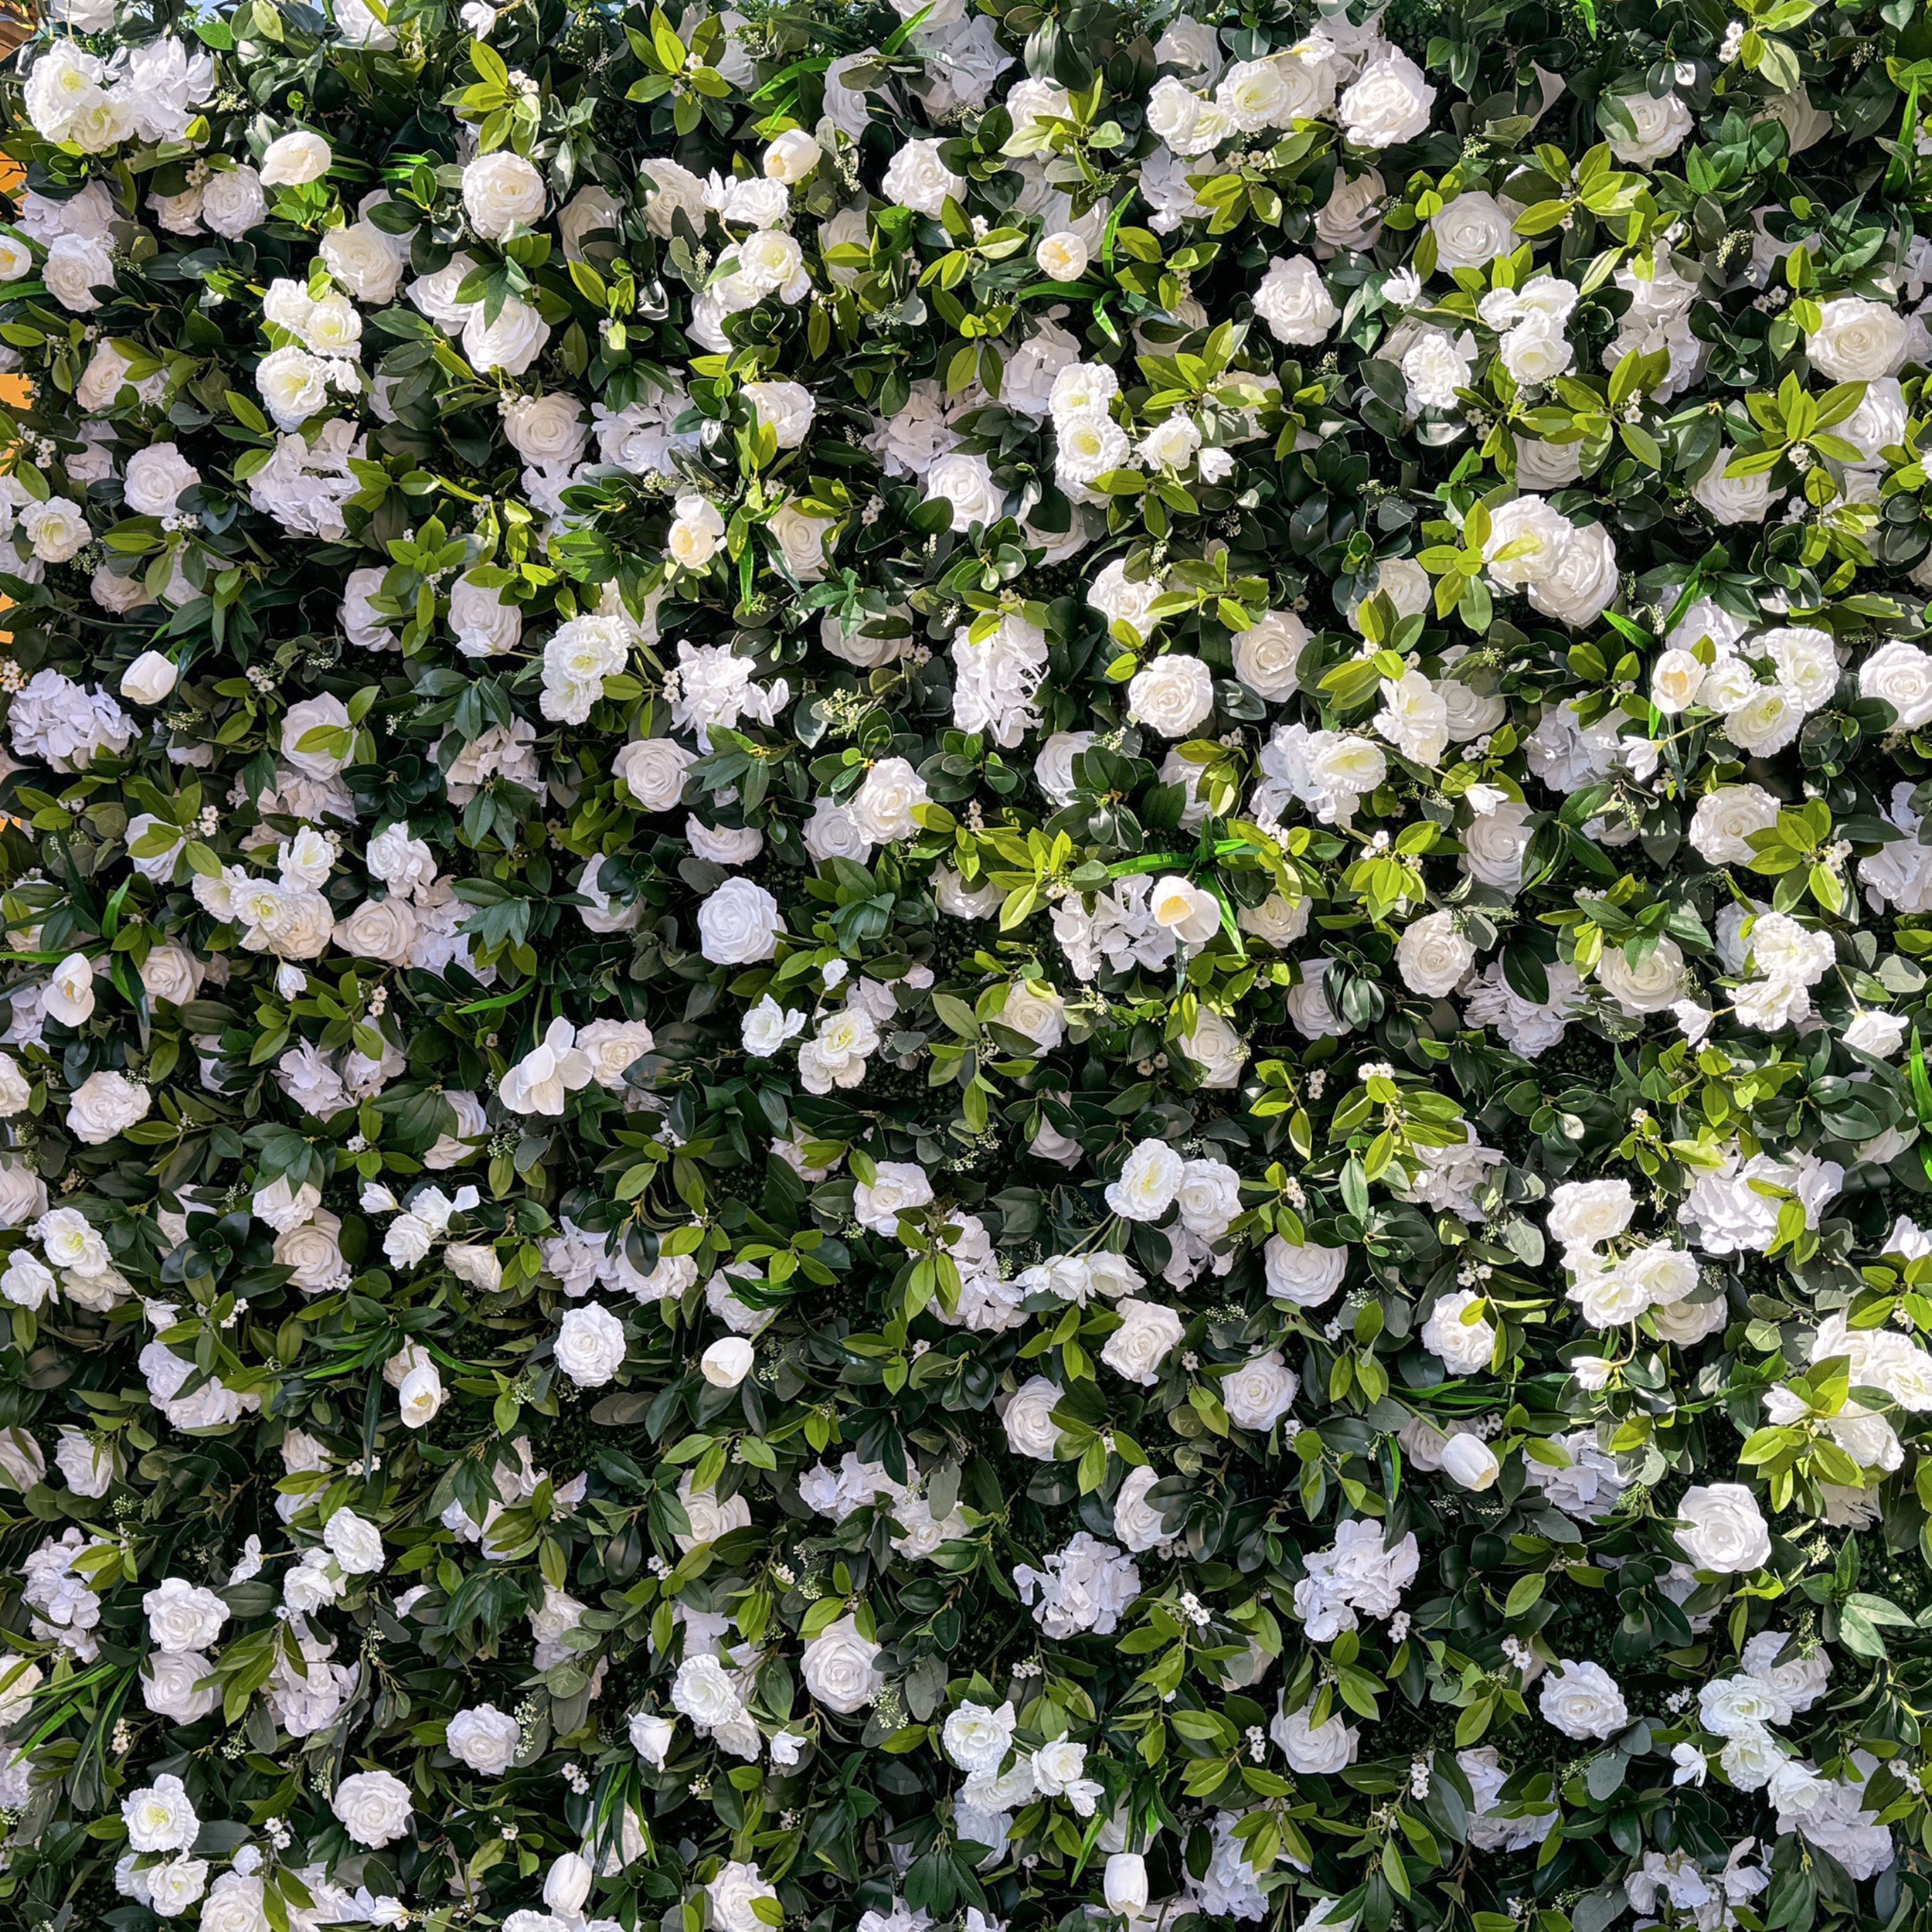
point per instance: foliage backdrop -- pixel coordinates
(965, 966)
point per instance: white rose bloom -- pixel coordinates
(373, 1807)
(839, 1668)
(1857, 340)
(1305, 1275)
(1582, 1700)
(738, 924)
(1266, 655)
(1148, 1335)
(1472, 231)
(897, 1187)
(1465, 1348)
(733, 1896)
(977, 1737)
(1172, 695)
(1659, 127)
(485, 1738)
(1732, 499)
(1432, 956)
(1314, 1750)
(1726, 1530)
(1901, 675)
(1390, 103)
(106, 1104)
(590, 1345)
(168, 1681)
(1027, 1419)
(916, 178)
(786, 409)
(1293, 300)
(1653, 985)
(1258, 1393)
(182, 1616)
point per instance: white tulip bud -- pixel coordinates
(566, 1886)
(1126, 1883)
(791, 157)
(293, 159)
(727, 1363)
(149, 679)
(1469, 1460)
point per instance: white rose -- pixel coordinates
(916, 178)
(1857, 340)
(738, 924)
(1218, 1051)
(373, 1807)
(1172, 695)
(1027, 1419)
(1654, 986)
(1464, 1348)
(1148, 1334)
(897, 1187)
(484, 626)
(168, 1681)
(1585, 1214)
(1725, 1529)
(1294, 302)
(1389, 104)
(365, 261)
(1732, 499)
(654, 769)
(511, 343)
(1658, 127)
(1432, 956)
(548, 431)
(1319, 1751)
(839, 1668)
(1306, 1275)
(182, 1616)
(232, 202)
(590, 1344)
(1901, 675)
(75, 267)
(1472, 231)
(966, 484)
(733, 1896)
(1583, 581)
(484, 1738)
(786, 409)
(1259, 1391)
(501, 191)
(104, 1105)
(1582, 1700)
(800, 540)
(1266, 653)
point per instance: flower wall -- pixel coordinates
(964, 966)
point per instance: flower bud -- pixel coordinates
(1470, 1462)
(727, 1363)
(149, 679)
(791, 157)
(1126, 1883)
